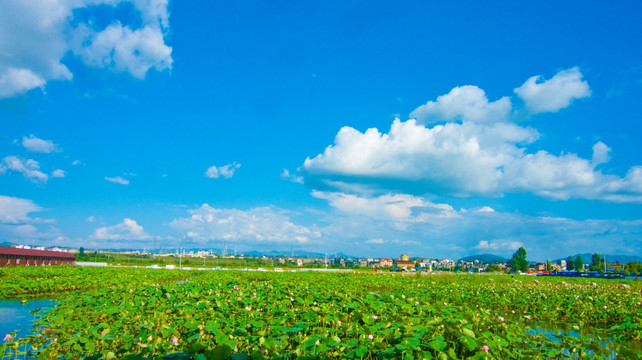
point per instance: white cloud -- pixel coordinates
(477, 230)
(451, 158)
(117, 180)
(555, 93)
(34, 144)
(600, 154)
(123, 49)
(465, 103)
(285, 175)
(16, 224)
(471, 158)
(257, 225)
(28, 168)
(33, 46)
(18, 81)
(15, 210)
(76, 163)
(127, 230)
(59, 173)
(376, 241)
(90, 219)
(226, 171)
(500, 245)
(392, 207)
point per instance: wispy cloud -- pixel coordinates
(29, 168)
(117, 180)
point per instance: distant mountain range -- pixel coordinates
(622, 259)
(485, 258)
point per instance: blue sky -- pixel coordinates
(371, 128)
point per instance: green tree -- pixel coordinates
(596, 263)
(81, 251)
(570, 264)
(579, 264)
(493, 268)
(519, 262)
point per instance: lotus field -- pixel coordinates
(114, 313)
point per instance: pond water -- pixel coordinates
(18, 315)
(555, 331)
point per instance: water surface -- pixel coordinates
(15, 315)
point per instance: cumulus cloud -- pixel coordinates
(127, 230)
(35, 144)
(34, 45)
(117, 180)
(257, 225)
(484, 154)
(465, 103)
(18, 81)
(59, 173)
(451, 158)
(555, 93)
(122, 49)
(226, 171)
(29, 168)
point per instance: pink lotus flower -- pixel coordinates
(174, 340)
(339, 322)
(370, 336)
(485, 348)
(374, 317)
(7, 337)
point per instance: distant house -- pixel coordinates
(403, 265)
(404, 257)
(31, 257)
(385, 262)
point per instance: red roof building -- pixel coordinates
(30, 257)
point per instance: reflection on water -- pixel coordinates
(556, 331)
(20, 316)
